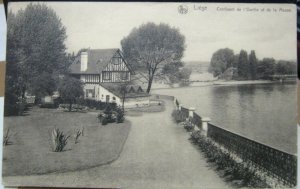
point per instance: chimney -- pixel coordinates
(83, 61)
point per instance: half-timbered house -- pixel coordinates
(102, 71)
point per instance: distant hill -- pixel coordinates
(197, 66)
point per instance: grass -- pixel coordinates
(31, 152)
(155, 106)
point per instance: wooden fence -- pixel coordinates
(276, 163)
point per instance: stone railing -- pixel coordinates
(281, 165)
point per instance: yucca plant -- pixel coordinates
(78, 133)
(6, 137)
(59, 140)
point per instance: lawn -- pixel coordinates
(154, 106)
(30, 151)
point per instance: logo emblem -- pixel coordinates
(183, 9)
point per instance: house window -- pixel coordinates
(90, 93)
(106, 75)
(124, 75)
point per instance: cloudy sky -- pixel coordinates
(103, 25)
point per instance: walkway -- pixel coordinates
(157, 154)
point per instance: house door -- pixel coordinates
(107, 98)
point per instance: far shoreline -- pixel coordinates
(218, 83)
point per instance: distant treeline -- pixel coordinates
(248, 67)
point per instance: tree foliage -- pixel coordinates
(220, 61)
(252, 65)
(248, 67)
(151, 46)
(286, 67)
(266, 68)
(70, 89)
(35, 50)
(243, 65)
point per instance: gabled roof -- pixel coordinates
(97, 61)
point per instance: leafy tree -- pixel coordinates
(70, 89)
(252, 65)
(184, 74)
(243, 65)
(266, 68)
(286, 67)
(43, 85)
(170, 72)
(35, 45)
(220, 61)
(123, 88)
(151, 46)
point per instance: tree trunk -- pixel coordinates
(123, 101)
(70, 106)
(149, 84)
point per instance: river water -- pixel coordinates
(266, 113)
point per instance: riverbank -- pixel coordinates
(247, 82)
(212, 82)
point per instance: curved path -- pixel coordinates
(157, 154)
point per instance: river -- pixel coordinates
(266, 113)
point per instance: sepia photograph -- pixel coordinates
(150, 95)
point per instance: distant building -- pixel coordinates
(103, 71)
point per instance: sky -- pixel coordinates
(207, 27)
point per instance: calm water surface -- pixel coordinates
(266, 113)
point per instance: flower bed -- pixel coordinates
(239, 173)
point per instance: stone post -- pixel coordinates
(179, 107)
(191, 115)
(205, 121)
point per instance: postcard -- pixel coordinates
(151, 95)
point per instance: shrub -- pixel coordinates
(188, 125)
(59, 140)
(78, 133)
(104, 121)
(119, 115)
(178, 116)
(233, 170)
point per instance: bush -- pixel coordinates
(188, 125)
(104, 121)
(78, 133)
(178, 116)
(59, 140)
(233, 170)
(119, 115)
(109, 116)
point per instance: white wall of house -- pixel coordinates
(112, 98)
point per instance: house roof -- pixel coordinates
(115, 88)
(97, 61)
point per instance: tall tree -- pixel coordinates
(243, 65)
(35, 45)
(286, 67)
(70, 89)
(151, 46)
(266, 68)
(252, 65)
(220, 61)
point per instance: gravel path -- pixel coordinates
(157, 154)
